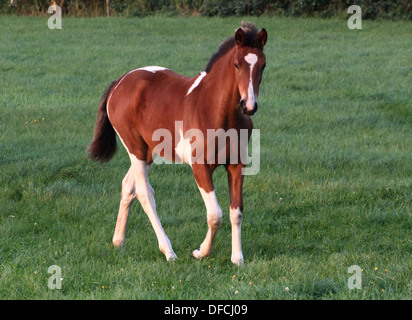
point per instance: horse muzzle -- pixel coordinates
(245, 110)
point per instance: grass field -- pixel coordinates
(334, 187)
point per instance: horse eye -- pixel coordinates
(237, 67)
(264, 66)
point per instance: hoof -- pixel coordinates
(119, 243)
(238, 261)
(196, 254)
(171, 256)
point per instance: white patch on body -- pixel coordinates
(183, 149)
(251, 58)
(152, 69)
(196, 83)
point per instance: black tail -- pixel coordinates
(103, 146)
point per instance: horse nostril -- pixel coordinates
(242, 106)
(244, 109)
(253, 111)
(255, 108)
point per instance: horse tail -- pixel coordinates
(104, 146)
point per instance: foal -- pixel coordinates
(145, 100)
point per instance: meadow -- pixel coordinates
(334, 187)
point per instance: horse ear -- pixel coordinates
(263, 36)
(239, 36)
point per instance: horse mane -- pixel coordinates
(250, 31)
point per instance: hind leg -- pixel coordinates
(136, 185)
(126, 201)
(145, 194)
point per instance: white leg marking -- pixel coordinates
(214, 221)
(236, 220)
(196, 83)
(126, 201)
(251, 58)
(145, 194)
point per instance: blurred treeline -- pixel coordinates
(371, 9)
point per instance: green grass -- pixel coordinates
(334, 187)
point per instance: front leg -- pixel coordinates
(235, 180)
(203, 176)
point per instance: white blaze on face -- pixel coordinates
(251, 58)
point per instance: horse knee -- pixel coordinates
(214, 219)
(236, 216)
(128, 192)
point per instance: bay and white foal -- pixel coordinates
(223, 97)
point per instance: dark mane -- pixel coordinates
(225, 46)
(251, 32)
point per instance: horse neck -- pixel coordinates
(222, 86)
